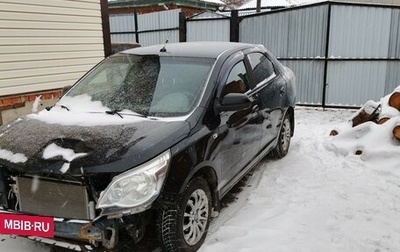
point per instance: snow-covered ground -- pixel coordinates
(320, 197)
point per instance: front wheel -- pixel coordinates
(285, 134)
(184, 227)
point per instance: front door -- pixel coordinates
(239, 131)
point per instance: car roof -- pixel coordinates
(190, 49)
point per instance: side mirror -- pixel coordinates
(234, 101)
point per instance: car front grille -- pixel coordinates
(52, 198)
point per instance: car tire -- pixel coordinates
(285, 134)
(184, 227)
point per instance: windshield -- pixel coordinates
(147, 84)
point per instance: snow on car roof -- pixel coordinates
(192, 49)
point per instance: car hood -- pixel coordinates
(33, 146)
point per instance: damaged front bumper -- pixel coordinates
(102, 231)
(80, 235)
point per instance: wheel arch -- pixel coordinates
(290, 113)
(210, 176)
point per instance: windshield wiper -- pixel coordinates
(117, 112)
(114, 112)
(62, 106)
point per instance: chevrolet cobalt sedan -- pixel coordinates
(150, 136)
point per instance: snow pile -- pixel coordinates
(388, 111)
(373, 140)
(80, 110)
(12, 157)
(36, 104)
(53, 150)
(82, 103)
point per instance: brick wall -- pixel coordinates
(15, 106)
(18, 101)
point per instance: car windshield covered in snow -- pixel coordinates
(147, 84)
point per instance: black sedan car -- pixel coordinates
(154, 134)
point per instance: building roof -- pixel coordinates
(268, 4)
(378, 2)
(211, 14)
(215, 1)
(144, 3)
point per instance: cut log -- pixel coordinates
(387, 111)
(369, 112)
(394, 100)
(383, 120)
(396, 132)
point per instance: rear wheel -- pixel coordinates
(284, 137)
(184, 227)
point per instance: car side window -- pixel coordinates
(261, 66)
(237, 81)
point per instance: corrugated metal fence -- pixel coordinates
(208, 29)
(342, 54)
(146, 29)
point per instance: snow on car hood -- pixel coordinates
(62, 141)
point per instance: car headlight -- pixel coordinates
(137, 187)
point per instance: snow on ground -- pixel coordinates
(17, 244)
(320, 197)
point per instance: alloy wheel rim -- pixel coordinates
(195, 217)
(286, 134)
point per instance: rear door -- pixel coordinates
(269, 87)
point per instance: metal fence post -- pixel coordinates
(106, 27)
(234, 26)
(135, 17)
(325, 82)
(182, 27)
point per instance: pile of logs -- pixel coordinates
(379, 113)
(394, 101)
(369, 112)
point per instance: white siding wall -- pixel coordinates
(47, 44)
